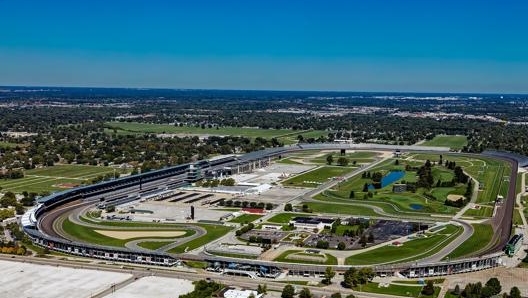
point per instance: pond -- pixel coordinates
(416, 206)
(390, 178)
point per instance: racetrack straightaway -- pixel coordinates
(502, 221)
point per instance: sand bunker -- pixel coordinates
(140, 234)
(454, 198)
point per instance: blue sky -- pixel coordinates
(404, 45)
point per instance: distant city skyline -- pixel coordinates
(387, 46)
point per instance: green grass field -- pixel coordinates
(213, 232)
(330, 260)
(481, 237)
(451, 141)
(518, 185)
(136, 127)
(318, 176)
(49, 179)
(341, 209)
(89, 235)
(9, 145)
(517, 220)
(284, 218)
(411, 250)
(397, 290)
(491, 173)
(358, 156)
(246, 218)
(153, 245)
(292, 137)
(407, 201)
(288, 161)
(484, 211)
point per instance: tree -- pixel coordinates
(365, 187)
(365, 274)
(341, 245)
(456, 291)
(262, 289)
(328, 275)
(229, 182)
(486, 292)
(350, 296)
(350, 278)
(288, 291)
(494, 284)
(515, 293)
(329, 159)
(288, 207)
(8, 199)
(322, 244)
(428, 289)
(342, 161)
(336, 295)
(370, 238)
(352, 195)
(251, 295)
(305, 293)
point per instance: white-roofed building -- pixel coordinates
(241, 294)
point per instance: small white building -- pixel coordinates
(311, 223)
(272, 227)
(241, 294)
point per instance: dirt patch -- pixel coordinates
(66, 185)
(140, 234)
(454, 198)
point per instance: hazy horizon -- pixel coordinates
(376, 46)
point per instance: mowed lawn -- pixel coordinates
(397, 290)
(410, 250)
(492, 174)
(246, 218)
(293, 137)
(286, 217)
(358, 156)
(316, 177)
(89, 235)
(153, 245)
(136, 127)
(451, 141)
(213, 232)
(483, 211)
(53, 178)
(325, 259)
(482, 234)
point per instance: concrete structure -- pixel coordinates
(30, 280)
(312, 223)
(398, 188)
(231, 293)
(154, 287)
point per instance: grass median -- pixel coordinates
(213, 232)
(411, 250)
(482, 234)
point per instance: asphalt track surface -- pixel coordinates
(49, 220)
(502, 221)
